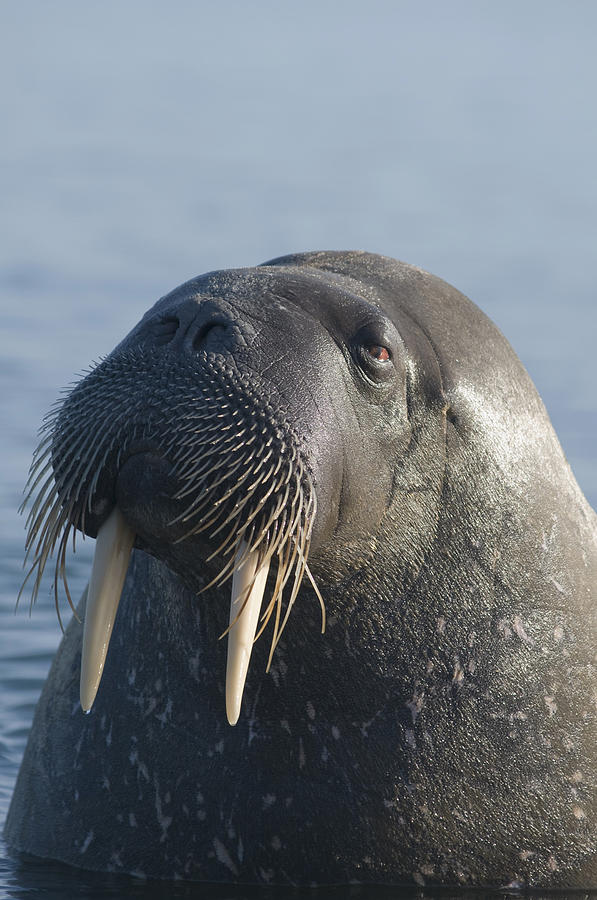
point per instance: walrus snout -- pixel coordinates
(220, 475)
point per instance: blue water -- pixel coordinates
(145, 142)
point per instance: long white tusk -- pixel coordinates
(112, 553)
(242, 633)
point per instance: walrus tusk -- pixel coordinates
(244, 615)
(112, 553)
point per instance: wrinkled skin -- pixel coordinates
(442, 730)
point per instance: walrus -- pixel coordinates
(341, 451)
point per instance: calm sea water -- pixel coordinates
(146, 142)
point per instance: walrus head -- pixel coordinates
(211, 438)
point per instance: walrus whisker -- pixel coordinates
(285, 569)
(224, 573)
(276, 604)
(213, 486)
(38, 566)
(49, 514)
(288, 564)
(69, 451)
(46, 545)
(237, 510)
(263, 460)
(32, 487)
(61, 562)
(234, 514)
(273, 517)
(298, 575)
(43, 506)
(46, 542)
(226, 544)
(28, 574)
(255, 512)
(45, 438)
(46, 536)
(44, 517)
(247, 535)
(201, 470)
(58, 572)
(319, 597)
(275, 601)
(197, 517)
(101, 448)
(37, 473)
(191, 465)
(195, 508)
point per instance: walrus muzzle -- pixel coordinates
(150, 451)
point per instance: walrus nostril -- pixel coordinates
(165, 329)
(195, 335)
(207, 331)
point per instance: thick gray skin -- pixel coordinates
(442, 731)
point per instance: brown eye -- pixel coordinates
(378, 352)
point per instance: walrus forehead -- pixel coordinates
(287, 298)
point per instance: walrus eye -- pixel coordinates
(376, 351)
(373, 350)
